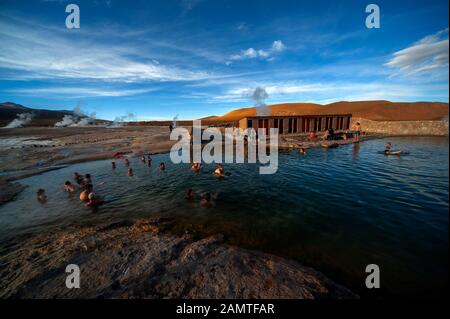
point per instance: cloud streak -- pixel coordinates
(428, 55)
(26, 49)
(321, 92)
(78, 92)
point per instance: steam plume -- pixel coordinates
(175, 119)
(21, 120)
(259, 95)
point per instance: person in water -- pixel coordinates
(143, 158)
(69, 187)
(162, 166)
(77, 178)
(130, 172)
(388, 146)
(94, 200)
(302, 151)
(127, 162)
(41, 197)
(84, 195)
(149, 158)
(357, 131)
(113, 164)
(87, 179)
(196, 167)
(388, 150)
(190, 195)
(206, 199)
(219, 170)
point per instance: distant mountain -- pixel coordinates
(9, 111)
(12, 106)
(372, 110)
(209, 118)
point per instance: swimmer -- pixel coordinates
(69, 187)
(94, 200)
(302, 151)
(84, 195)
(143, 159)
(130, 171)
(206, 199)
(149, 158)
(87, 179)
(77, 178)
(41, 197)
(388, 146)
(190, 194)
(388, 149)
(113, 164)
(162, 166)
(196, 167)
(127, 162)
(220, 172)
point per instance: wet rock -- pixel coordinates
(135, 262)
(8, 191)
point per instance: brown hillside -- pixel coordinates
(372, 110)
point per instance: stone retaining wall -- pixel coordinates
(438, 128)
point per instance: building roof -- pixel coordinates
(292, 116)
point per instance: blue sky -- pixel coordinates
(195, 58)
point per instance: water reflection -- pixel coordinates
(336, 210)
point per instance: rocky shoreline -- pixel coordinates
(138, 260)
(9, 190)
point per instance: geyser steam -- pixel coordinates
(79, 118)
(259, 95)
(21, 120)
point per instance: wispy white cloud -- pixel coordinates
(321, 92)
(251, 53)
(430, 54)
(38, 52)
(79, 92)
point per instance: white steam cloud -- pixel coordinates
(121, 120)
(21, 120)
(79, 118)
(175, 119)
(259, 95)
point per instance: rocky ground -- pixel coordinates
(36, 148)
(138, 260)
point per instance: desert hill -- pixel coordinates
(372, 110)
(9, 111)
(41, 117)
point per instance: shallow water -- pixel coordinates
(336, 210)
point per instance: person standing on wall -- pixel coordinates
(357, 131)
